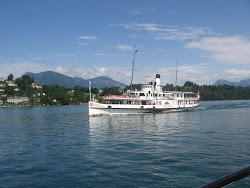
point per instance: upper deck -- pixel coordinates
(167, 95)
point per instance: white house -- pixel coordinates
(34, 85)
(12, 85)
(16, 100)
(2, 84)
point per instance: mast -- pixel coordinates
(176, 74)
(132, 71)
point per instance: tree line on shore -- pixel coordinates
(58, 95)
(208, 92)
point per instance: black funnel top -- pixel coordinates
(158, 76)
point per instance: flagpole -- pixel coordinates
(132, 71)
(89, 90)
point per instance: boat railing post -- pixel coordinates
(222, 182)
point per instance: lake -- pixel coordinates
(61, 146)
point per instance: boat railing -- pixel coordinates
(232, 178)
(193, 98)
(120, 96)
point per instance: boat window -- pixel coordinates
(142, 94)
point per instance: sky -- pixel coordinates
(210, 40)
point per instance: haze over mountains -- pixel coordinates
(242, 83)
(54, 78)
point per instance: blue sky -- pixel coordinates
(211, 39)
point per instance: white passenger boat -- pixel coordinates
(151, 98)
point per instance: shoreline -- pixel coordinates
(9, 106)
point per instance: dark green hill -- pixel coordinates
(54, 78)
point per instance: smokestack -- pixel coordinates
(158, 80)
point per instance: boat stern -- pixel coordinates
(96, 108)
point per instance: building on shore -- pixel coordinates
(17, 100)
(34, 85)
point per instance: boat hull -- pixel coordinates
(106, 109)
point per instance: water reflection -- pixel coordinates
(150, 123)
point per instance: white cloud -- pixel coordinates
(135, 36)
(169, 32)
(67, 55)
(232, 49)
(147, 27)
(99, 70)
(88, 37)
(81, 43)
(82, 72)
(124, 47)
(141, 10)
(226, 49)
(43, 58)
(236, 74)
(181, 34)
(101, 54)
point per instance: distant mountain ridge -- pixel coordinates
(54, 78)
(242, 83)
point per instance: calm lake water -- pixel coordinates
(60, 146)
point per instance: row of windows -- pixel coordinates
(164, 95)
(156, 95)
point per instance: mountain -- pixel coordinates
(54, 78)
(242, 83)
(103, 81)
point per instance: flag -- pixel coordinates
(136, 49)
(198, 96)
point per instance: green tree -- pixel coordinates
(24, 84)
(134, 86)
(111, 91)
(10, 77)
(9, 91)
